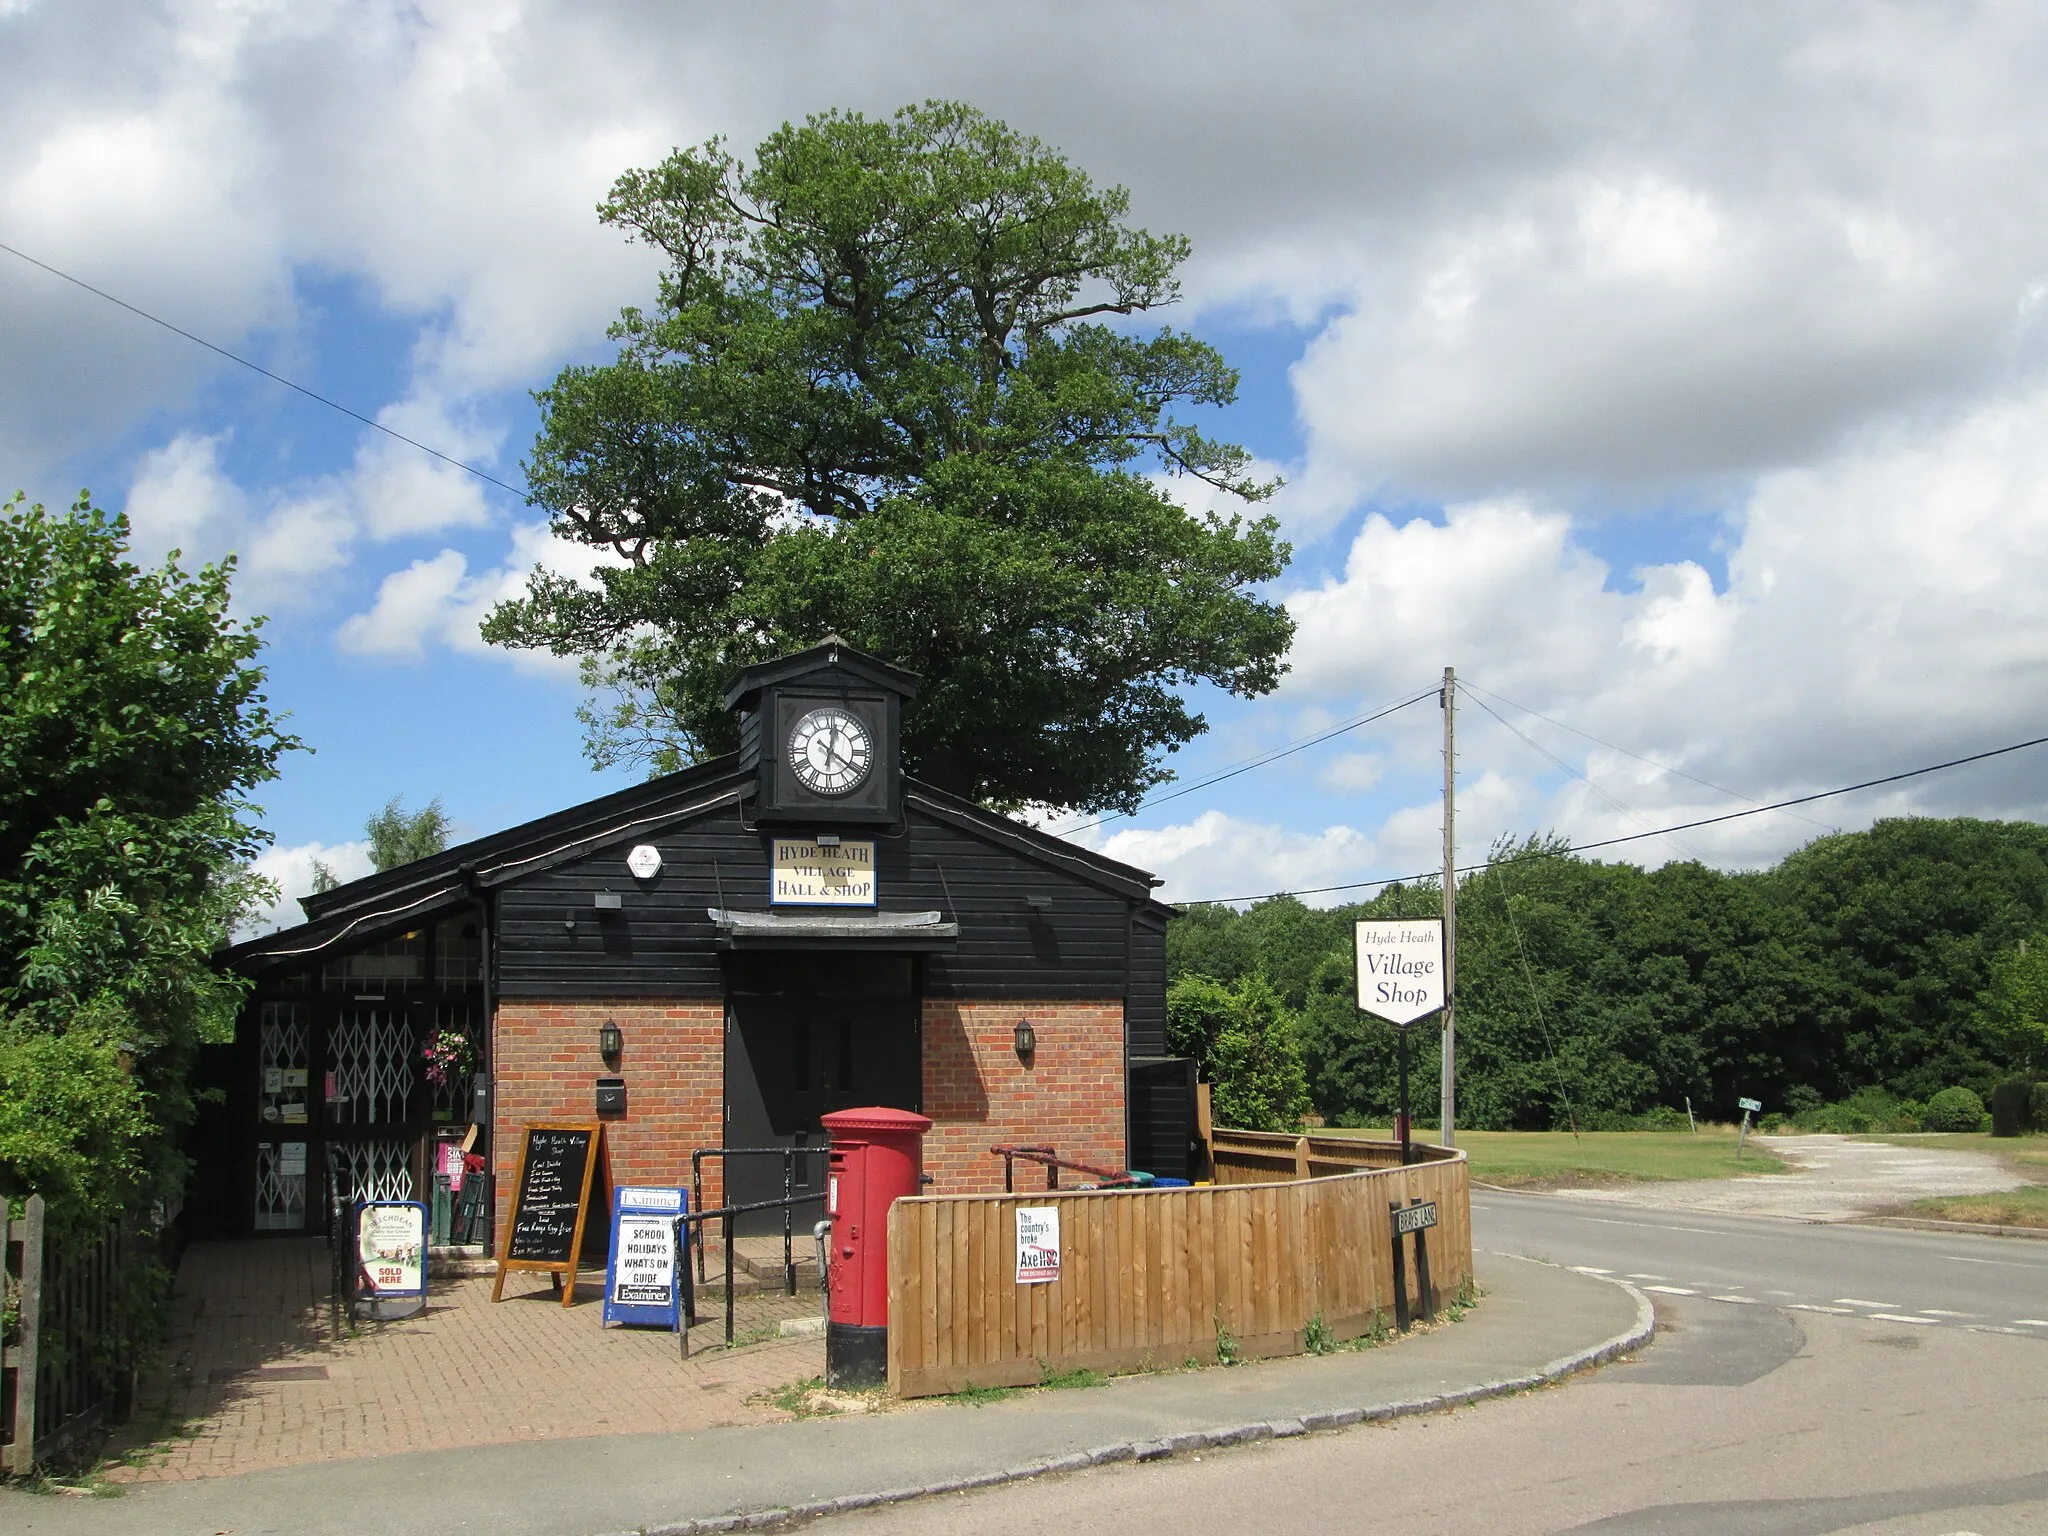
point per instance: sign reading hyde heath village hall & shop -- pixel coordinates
(814, 874)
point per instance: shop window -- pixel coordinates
(396, 965)
(459, 951)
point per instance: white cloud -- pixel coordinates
(292, 869)
(1217, 856)
(1876, 618)
(1353, 773)
(182, 499)
(437, 602)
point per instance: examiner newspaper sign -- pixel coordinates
(1401, 968)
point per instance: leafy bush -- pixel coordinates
(1244, 1042)
(1954, 1109)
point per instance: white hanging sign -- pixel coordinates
(1038, 1244)
(1401, 968)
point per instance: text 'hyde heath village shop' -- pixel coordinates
(713, 958)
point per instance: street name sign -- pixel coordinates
(1401, 968)
(1414, 1218)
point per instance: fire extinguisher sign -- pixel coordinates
(1038, 1244)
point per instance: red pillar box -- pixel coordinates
(877, 1158)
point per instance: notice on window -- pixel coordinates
(810, 874)
(1038, 1244)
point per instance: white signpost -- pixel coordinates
(1401, 968)
(1401, 979)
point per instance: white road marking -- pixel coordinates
(1781, 1293)
(1957, 1258)
(1741, 1301)
(1646, 1277)
(1808, 1306)
(1670, 1290)
(1853, 1301)
(1900, 1317)
(1938, 1312)
(1588, 1269)
(2032, 1322)
(1656, 1226)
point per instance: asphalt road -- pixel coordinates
(1928, 1279)
(1851, 1379)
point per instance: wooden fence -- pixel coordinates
(1155, 1277)
(61, 1369)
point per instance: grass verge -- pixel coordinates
(2025, 1207)
(1560, 1160)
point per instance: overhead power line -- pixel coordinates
(1601, 741)
(1261, 761)
(1634, 837)
(275, 378)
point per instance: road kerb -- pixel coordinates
(1186, 1443)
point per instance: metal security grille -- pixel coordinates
(370, 1054)
(371, 1170)
(280, 1197)
(283, 1094)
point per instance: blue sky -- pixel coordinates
(1709, 424)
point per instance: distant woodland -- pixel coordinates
(1879, 966)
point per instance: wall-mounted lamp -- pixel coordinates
(1027, 1040)
(610, 1043)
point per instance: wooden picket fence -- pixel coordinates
(1295, 1229)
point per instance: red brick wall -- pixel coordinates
(545, 1064)
(979, 1095)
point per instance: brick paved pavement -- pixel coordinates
(255, 1378)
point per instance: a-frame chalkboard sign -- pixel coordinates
(556, 1164)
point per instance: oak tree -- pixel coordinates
(892, 387)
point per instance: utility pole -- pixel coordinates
(1450, 1023)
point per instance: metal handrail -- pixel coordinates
(789, 1155)
(725, 1214)
(1053, 1163)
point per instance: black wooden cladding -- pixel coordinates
(1145, 1000)
(1028, 928)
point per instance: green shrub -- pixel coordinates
(1954, 1109)
(2037, 1107)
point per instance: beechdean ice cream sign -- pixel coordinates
(1401, 968)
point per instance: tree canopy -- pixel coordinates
(1889, 964)
(132, 728)
(888, 389)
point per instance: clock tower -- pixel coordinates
(821, 729)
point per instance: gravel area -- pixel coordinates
(1834, 1178)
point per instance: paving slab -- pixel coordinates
(1536, 1322)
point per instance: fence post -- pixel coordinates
(21, 1451)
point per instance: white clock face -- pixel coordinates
(831, 751)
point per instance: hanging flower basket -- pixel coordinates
(449, 1055)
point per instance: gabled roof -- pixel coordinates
(401, 898)
(830, 652)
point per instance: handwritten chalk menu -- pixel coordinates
(556, 1163)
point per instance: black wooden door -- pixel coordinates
(790, 1060)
